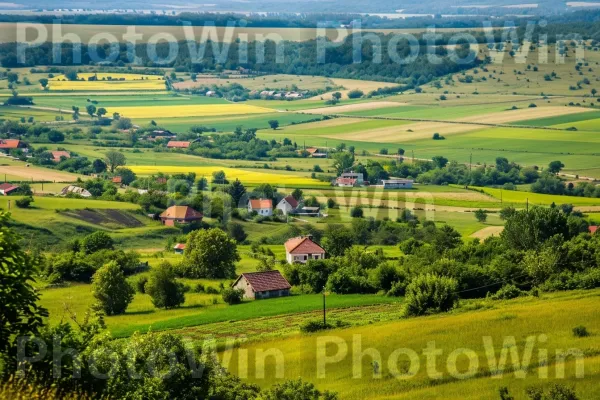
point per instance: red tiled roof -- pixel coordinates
(181, 212)
(9, 143)
(179, 246)
(312, 150)
(8, 187)
(56, 155)
(261, 203)
(265, 281)
(117, 179)
(346, 181)
(303, 245)
(178, 145)
(291, 201)
(593, 229)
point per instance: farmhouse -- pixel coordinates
(593, 229)
(57, 156)
(262, 285)
(180, 215)
(75, 190)
(179, 248)
(397, 184)
(346, 182)
(8, 188)
(354, 175)
(287, 205)
(314, 152)
(173, 144)
(12, 144)
(301, 249)
(263, 207)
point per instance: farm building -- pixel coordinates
(262, 285)
(346, 182)
(301, 249)
(8, 188)
(360, 180)
(287, 205)
(57, 156)
(117, 179)
(180, 215)
(75, 190)
(12, 144)
(173, 144)
(593, 229)
(397, 184)
(263, 207)
(308, 212)
(179, 248)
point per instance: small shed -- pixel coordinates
(263, 285)
(179, 248)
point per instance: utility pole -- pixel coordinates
(324, 310)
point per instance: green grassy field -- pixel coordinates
(553, 316)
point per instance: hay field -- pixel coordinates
(278, 178)
(353, 107)
(487, 232)
(120, 82)
(204, 110)
(354, 84)
(20, 172)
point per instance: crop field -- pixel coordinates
(108, 82)
(16, 171)
(553, 315)
(171, 111)
(514, 196)
(280, 178)
(17, 113)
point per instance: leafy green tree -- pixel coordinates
(481, 215)
(430, 294)
(24, 202)
(101, 112)
(114, 159)
(555, 167)
(236, 231)
(357, 212)
(111, 289)
(127, 175)
(21, 314)
(342, 161)
(355, 94)
(44, 82)
(527, 230)
(232, 296)
(98, 166)
(56, 136)
(337, 239)
(219, 177)
(297, 194)
(296, 390)
(163, 288)
(237, 191)
(337, 96)
(439, 161)
(96, 241)
(210, 254)
(447, 238)
(91, 110)
(274, 124)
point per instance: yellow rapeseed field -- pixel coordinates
(103, 83)
(246, 176)
(193, 110)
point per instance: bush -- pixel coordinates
(296, 390)
(357, 212)
(199, 288)
(164, 290)
(111, 289)
(311, 326)
(96, 241)
(140, 284)
(429, 294)
(25, 202)
(508, 292)
(355, 94)
(211, 290)
(232, 296)
(580, 331)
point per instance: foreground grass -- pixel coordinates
(553, 315)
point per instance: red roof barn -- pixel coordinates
(8, 188)
(178, 145)
(180, 215)
(10, 144)
(263, 285)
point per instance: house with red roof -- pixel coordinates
(58, 155)
(11, 144)
(301, 249)
(8, 188)
(346, 182)
(180, 215)
(262, 285)
(287, 205)
(593, 229)
(262, 207)
(173, 144)
(117, 180)
(179, 248)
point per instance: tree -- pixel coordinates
(237, 191)
(210, 254)
(355, 94)
(163, 288)
(232, 296)
(529, 230)
(296, 390)
(337, 96)
(343, 161)
(24, 202)
(111, 289)
(124, 123)
(96, 241)
(297, 194)
(555, 167)
(429, 294)
(594, 91)
(219, 177)
(127, 175)
(337, 239)
(55, 136)
(114, 159)
(274, 124)
(437, 136)
(439, 161)
(101, 112)
(91, 110)
(481, 215)
(21, 314)
(401, 151)
(72, 75)
(44, 82)
(236, 231)
(357, 212)
(98, 166)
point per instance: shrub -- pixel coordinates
(164, 290)
(313, 326)
(111, 289)
(428, 294)
(96, 241)
(357, 212)
(508, 292)
(140, 284)
(232, 296)
(199, 288)
(25, 202)
(295, 390)
(211, 290)
(580, 331)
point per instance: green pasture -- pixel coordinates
(513, 196)
(16, 113)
